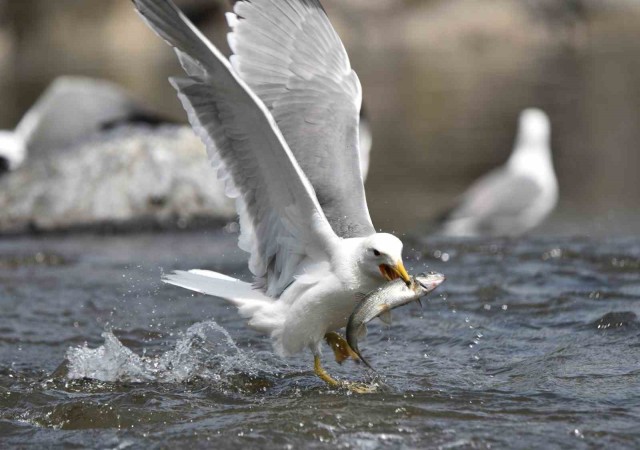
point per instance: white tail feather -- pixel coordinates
(252, 304)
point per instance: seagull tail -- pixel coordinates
(262, 311)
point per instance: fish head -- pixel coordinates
(429, 281)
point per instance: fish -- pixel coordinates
(387, 297)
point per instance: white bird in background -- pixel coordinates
(280, 124)
(516, 197)
(70, 109)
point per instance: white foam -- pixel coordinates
(206, 350)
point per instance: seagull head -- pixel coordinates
(533, 127)
(382, 255)
(532, 152)
(12, 151)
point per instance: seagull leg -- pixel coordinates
(324, 376)
(341, 349)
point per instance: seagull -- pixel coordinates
(516, 197)
(280, 124)
(70, 109)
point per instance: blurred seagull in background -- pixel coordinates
(70, 109)
(280, 124)
(516, 197)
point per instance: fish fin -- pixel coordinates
(385, 317)
(362, 332)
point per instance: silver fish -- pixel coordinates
(393, 294)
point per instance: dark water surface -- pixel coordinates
(530, 344)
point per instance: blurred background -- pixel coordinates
(443, 84)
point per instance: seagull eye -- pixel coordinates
(376, 252)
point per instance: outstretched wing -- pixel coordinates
(291, 57)
(282, 224)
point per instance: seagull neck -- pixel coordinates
(532, 156)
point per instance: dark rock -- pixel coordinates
(617, 319)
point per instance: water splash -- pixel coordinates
(206, 350)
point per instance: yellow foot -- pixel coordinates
(340, 347)
(358, 388)
(361, 388)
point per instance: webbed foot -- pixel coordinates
(355, 387)
(361, 388)
(341, 349)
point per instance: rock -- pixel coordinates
(616, 319)
(131, 175)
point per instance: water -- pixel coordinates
(532, 343)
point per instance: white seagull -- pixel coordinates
(280, 124)
(516, 197)
(70, 109)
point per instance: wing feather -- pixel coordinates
(282, 224)
(292, 58)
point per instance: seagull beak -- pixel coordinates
(393, 272)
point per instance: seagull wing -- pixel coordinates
(282, 224)
(495, 199)
(292, 58)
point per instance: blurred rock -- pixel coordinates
(615, 320)
(124, 178)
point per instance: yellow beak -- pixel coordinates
(393, 272)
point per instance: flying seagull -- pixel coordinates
(70, 109)
(516, 197)
(280, 124)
